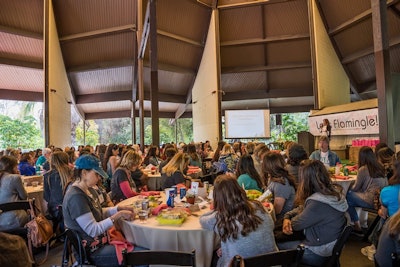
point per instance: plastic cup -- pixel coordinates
(143, 215)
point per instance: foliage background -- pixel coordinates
(21, 126)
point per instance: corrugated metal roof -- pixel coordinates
(264, 47)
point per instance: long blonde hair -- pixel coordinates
(178, 163)
(59, 162)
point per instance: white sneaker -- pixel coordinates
(369, 251)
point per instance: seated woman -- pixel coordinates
(25, 165)
(295, 153)
(228, 159)
(173, 172)
(122, 185)
(320, 214)
(169, 154)
(279, 182)
(11, 189)
(55, 183)
(389, 241)
(152, 156)
(84, 214)
(243, 225)
(195, 159)
(248, 176)
(370, 178)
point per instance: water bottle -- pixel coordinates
(337, 169)
(265, 195)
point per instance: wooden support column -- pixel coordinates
(382, 69)
(139, 33)
(155, 129)
(46, 73)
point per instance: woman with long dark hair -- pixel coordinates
(243, 225)
(152, 156)
(370, 179)
(55, 184)
(320, 213)
(248, 175)
(11, 189)
(279, 182)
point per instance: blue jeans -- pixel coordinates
(309, 257)
(106, 256)
(354, 200)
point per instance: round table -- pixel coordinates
(185, 237)
(345, 183)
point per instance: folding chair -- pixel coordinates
(151, 257)
(14, 206)
(290, 257)
(73, 240)
(334, 260)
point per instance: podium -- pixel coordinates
(306, 139)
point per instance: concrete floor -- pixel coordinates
(351, 255)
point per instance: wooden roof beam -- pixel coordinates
(224, 4)
(98, 33)
(19, 95)
(20, 63)
(252, 41)
(125, 95)
(127, 114)
(353, 57)
(272, 93)
(102, 65)
(355, 20)
(20, 32)
(266, 68)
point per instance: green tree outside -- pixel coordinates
(20, 133)
(92, 134)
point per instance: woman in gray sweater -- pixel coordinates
(320, 214)
(244, 227)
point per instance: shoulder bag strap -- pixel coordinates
(32, 210)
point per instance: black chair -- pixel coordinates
(14, 206)
(73, 240)
(395, 259)
(151, 257)
(290, 257)
(372, 225)
(333, 260)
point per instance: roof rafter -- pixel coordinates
(20, 95)
(127, 113)
(266, 68)
(355, 20)
(280, 38)
(123, 96)
(20, 32)
(272, 93)
(98, 33)
(20, 63)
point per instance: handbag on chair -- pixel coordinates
(40, 231)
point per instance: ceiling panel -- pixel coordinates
(76, 16)
(102, 81)
(21, 48)
(18, 78)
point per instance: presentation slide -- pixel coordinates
(247, 123)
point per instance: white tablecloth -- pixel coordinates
(345, 183)
(185, 238)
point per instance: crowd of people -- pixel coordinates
(83, 186)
